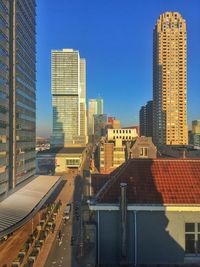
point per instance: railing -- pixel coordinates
(111, 181)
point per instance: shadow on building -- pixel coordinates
(154, 236)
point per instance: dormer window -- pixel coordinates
(143, 152)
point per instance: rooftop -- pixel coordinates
(63, 150)
(155, 181)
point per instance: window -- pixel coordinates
(192, 238)
(143, 152)
(72, 162)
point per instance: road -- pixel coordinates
(60, 253)
(65, 253)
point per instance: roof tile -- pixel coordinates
(167, 181)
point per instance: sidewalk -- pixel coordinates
(10, 248)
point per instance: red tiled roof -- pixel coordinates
(168, 181)
(98, 180)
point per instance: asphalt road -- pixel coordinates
(61, 251)
(64, 253)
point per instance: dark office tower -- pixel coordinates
(4, 95)
(22, 90)
(149, 119)
(146, 119)
(17, 92)
(143, 121)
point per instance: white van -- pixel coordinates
(67, 211)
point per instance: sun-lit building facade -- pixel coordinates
(68, 98)
(170, 80)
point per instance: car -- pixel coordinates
(67, 211)
(72, 241)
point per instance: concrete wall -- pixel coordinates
(61, 162)
(52, 163)
(160, 236)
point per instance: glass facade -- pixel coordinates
(17, 92)
(95, 106)
(68, 98)
(24, 89)
(65, 119)
(4, 95)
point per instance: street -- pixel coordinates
(65, 252)
(61, 251)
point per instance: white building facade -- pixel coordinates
(68, 98)
(122, 134)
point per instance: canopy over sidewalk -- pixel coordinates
(19, 207)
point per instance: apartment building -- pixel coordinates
(170, 80)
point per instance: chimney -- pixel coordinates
(183, 153)
(123, 214)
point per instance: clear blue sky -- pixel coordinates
(115, 37)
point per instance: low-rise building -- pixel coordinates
(123, 134)
(111, 155)
(147, 212)
(143, 148)
(59, 160)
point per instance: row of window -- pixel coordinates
(72, 162)
(122, 137)
(121, 131)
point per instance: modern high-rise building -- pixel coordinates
(196, 127)
(100, 122)
(146, 119)
(170, 80)
(17, 92)
(68, 98)
(4, 96)
(95, 107)
(195, 135)
(142, 121)
(116, 124)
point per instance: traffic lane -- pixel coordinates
(60, 254)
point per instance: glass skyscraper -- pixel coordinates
(17, 92)
(4, 95)
(95, 107)
(68, 98)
